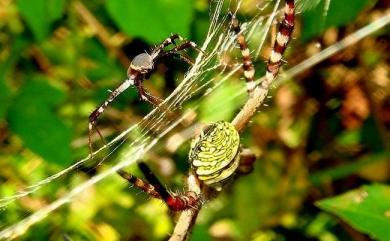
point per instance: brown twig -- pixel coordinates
(187, 218)
(256, 98)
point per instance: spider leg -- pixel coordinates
(171, 40)
(168, 41)
(247, 161)
(174, 201)
(180, 56)
(146, 96)
(91, 126)
(185, 45)
(99, 110)
(154, 188)
(185, 58)
(140, 184)
(175, 52)
(282, 38)
(249, 70)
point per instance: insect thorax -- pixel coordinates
(214, 155)
(142, 63)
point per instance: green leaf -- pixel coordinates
(6, 67)
(344, 170)
(5, 95)
(340, 13)
(367, 209)
(55, 8)
(32, 118)
(40, 14)
(153, 20)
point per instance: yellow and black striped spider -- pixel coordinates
(215, 154)
(140, 69)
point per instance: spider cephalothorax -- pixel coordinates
(140, 69)
(141, 64)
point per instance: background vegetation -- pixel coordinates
(325, 133)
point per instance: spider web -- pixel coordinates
(201, 80)
(151, 126)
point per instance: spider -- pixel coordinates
(215, 155)
(140, 69)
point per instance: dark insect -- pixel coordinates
(215, 155)
(139, 70)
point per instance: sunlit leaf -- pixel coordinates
(153, 20)
(367, 209)
(39, 15)
(32, 118)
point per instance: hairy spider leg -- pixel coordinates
(98, 111)
(168, 41)
(176, 52)
(155, 189)
(136, 74)
(184, 58)
(181, 56)
(249, 70)
(158, 53)
(140, 184)
(282, 38)
(145, 95)
(185, 45)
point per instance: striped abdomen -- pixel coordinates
(214, 155)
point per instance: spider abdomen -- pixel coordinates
(214, 155)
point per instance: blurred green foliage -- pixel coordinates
(323, 133)
(339, 14)
(367, 209)
(40, 16)
(152, 20)
(51, 137)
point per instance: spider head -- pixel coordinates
(142, 63)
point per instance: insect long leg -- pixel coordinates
(140, 184)
(185, 45)
(249, 70)
(176, 51)
(184, 58)
(155, 189)
(282, 38)
(144, 95)
(99, 110)
(168, 41)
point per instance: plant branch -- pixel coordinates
(187, 219)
